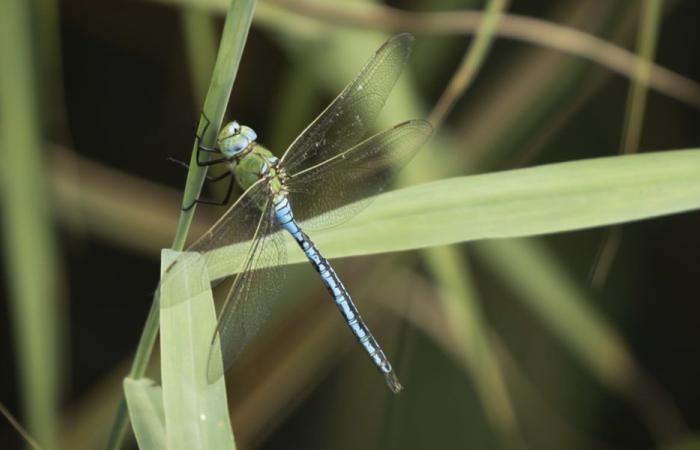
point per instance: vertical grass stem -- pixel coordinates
(238, 20)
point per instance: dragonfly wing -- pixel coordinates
(239, 223)
(252, 295)
(346, 120)
(352, 178)
(255, 286)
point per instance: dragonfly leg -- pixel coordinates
(209, 162)
(213, 179)
(223, 202)
(204, 148)
(223, 176)
(204, 130)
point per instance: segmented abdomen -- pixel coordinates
(285, 217)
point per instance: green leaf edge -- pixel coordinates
(515, 203)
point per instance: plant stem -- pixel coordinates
(236, 26)
(238, 20)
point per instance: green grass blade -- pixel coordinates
(31, 258)
(471, 63)
(516, 203)
(145, 401)
(196, 412)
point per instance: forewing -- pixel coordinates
(355, 176)
(346, 120)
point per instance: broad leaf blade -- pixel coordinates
(145, 401)
(516, 203)
(196, 412)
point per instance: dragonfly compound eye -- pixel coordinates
(234, 138)
(229, 130)
(249, 133)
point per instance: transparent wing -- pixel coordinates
(255, 287)
(239, 223)
(355, 176)
(346, 120)
(251, 298)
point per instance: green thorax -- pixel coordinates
(258, 163)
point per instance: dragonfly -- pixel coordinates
(329, 173)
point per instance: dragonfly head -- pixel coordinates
(234, 138)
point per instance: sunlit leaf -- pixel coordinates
(145, 401)
(525, 202)
(196, 412)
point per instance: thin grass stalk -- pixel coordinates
(471, 63)
(200, 44)
(236, 27)
(12, 420)
(29, 237)
(528, 98)
(646, 46)
(634, 116)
